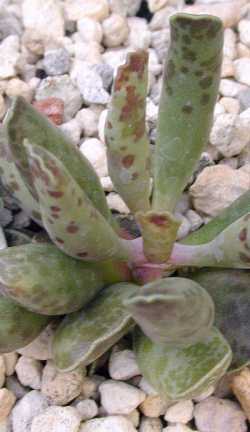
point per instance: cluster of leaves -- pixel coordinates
(103, 285)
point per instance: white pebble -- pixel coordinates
(57, 419)
(181, 412)
(90, 30)
(29, 372)
(94, 150)
(123, 365)
(87, 409)
(120, 398)
(115, 30)
(108, 424)
(115, 202)
(88, 121)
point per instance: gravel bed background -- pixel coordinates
(61, 55)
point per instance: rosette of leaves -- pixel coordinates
(182, 299)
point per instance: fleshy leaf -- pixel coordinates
(13, 182)
(159, 232)
(44, 280)
(230, 290)
(208, 232)
(18, 327)
(24, 122)
(183, 373)
(190, 86)
(74, 225)
(172, 311)
(128, 148)
(230, 249)
(84, 336)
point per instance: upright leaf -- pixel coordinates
(18, 326)
(44, 280)
(84, 336)
(230, 291)
(230, 249)
(190, 86)
(68, 215)
(183, 373)
(24, 122)
(172, 311)
(127, 143)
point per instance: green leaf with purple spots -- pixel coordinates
(159, 232)
(14, 183)
(190, 87)
(68, 215)
(229, 249)
(44, 280)
(208, 232)
(183, 373)
(18, 326)
(127, 142)
(174, 311)
(230, 291)
(84, 336)
(24, 122)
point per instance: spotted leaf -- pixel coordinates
(126, 138)
(84, 336)
(74, 225)
(183, 373)
(190, 86)
(174, 311)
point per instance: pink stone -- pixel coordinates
(51, 107)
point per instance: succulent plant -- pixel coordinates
(186, 302)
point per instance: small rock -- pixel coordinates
(72, 130)
(217, 187)
(17, 87)
(108, 424)
(5, 425)
(63, 88)
(153, 406)
(10, 360)
(88, 121)
(230, 133)
(195, 220)
(56, 419)
(160, 19)
(183, 205)
(43, 17)
(139, 34)
(9, 56)
(181, 412)
(5, 217)
(115, 30)
(230, 88)
(184, 228)
(56, 62)
(244, 32)
(120, 398)
(229, 46)
(102, 124)
(229, 11)
(125, 7)
(91, 86)
(242, 50)
(9, 25)
(242, 70)
(244, 98)
(40, 348)
(90, 30)
(106, 73)
(231, 105)
(31, 405)
(91, 386)
(178, 428)
(134, 417)
(61, 387)
(15, 387)
(227, 69)
(114, 57)
(78, 9)
(7, 400)
(150, 425)
(29, 372)
(155, 5)
(87, 409)
(123, 366)
(51, 107)
(2, 370)
(219, 415)
(146, 387)
(95, 152)
(107, 184)
(21, 220)
(160, 41)
(115, 202)
(85, 52)
(241, 388)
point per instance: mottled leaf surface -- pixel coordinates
(84, 336)
(73, 223)
(159, 232)
(44, 280)
(18, 327)
(183, 373)
(208, 232)
(24, 122)
(127, 142)
(230, 249)
(190, 86)
(230, 290)
(173, 311)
